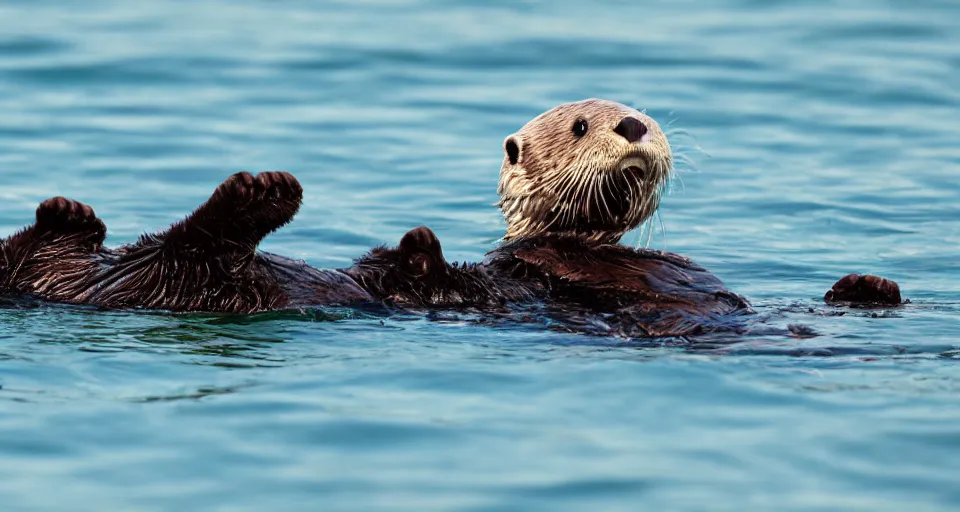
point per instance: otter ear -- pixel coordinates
(513, 147)
(420, 252)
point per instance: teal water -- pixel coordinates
(816, 140)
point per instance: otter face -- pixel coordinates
(593, 169)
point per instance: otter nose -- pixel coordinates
(630, 129)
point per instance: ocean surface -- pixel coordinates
(813, 139)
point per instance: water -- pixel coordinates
(821, 139)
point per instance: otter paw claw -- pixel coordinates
(240, 187)
(279, 185)
(244, 188)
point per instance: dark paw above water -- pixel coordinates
(244, 187)
(421, 251)
(60, 213)
(866, 290)
(279, 185)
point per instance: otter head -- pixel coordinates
(593, 169)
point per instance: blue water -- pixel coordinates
(815, 140)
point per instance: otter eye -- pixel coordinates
(580, 127)
(513, 151)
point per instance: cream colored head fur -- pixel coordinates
(593, 169)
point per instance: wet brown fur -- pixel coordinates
(209, 261)
(632, 292)
(560, 260)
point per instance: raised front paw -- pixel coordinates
(243, 188)
(62, 214)
(421, 253)
(62, 217)
(864, 290)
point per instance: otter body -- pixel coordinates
(572, 182)
(209, 262)
(630, 292)
(205, 263)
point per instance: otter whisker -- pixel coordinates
(689, 163)
(663, 230)
(605, 182)
(683, 187)
(644, 240)
(574, 199)
(684, 134)
(563, 183)
(589, 196)
(588, 186)
(585, 194)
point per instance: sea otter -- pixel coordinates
(573, 181)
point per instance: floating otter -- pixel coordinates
(573, 181)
